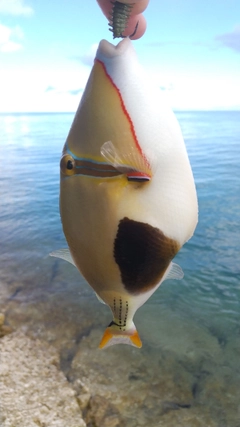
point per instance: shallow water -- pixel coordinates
(194, 323)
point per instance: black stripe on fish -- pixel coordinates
(120, 313)
(113, 323)
(143, 254)
(70, 166)
(137, 176)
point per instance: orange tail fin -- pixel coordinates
(113, 335)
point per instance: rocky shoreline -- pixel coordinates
(52, 373)
(34, 392)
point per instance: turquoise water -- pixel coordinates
(209, 295)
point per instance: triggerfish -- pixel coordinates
(127, 198)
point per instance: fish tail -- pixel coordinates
(113, 335)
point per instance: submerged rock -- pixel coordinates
(102, 413)
(157, 387)
(125, 383)
(34, 392)
(2, 319)
(185, 375)
(4, 329)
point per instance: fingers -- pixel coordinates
(136, 15)
(132, 22)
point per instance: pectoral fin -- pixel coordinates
(99, 299)
(130, 164)
(174, 272)
(63, 254)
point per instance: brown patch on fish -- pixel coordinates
(143, 254)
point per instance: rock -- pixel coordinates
(2, 319)
(82, 392)
(185, 375)
(185, 418)
(4, 329)
(101, 413)
(125, 383)
(165, 330)
(33, 390)
(57, 319)
(4, 293)
(180, 385)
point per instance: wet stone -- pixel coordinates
(4, 329)
(2, 319)
(102, 413)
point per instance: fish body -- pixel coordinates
(127, 199)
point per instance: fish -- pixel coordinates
(128, 200)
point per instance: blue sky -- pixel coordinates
(191, 48)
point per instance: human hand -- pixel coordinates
(136, 17)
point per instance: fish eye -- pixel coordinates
(67, 165)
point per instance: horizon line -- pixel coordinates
(174, 109)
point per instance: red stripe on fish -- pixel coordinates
(125, 112)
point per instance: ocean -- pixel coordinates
(188, 371)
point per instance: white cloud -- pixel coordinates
(205, 94)
(57, 89)
(28, 92)
(9, 38)
(15, 7)
(231, 40)
(10, 47)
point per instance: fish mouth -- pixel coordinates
(109, 50)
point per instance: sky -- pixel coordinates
(191, 48)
